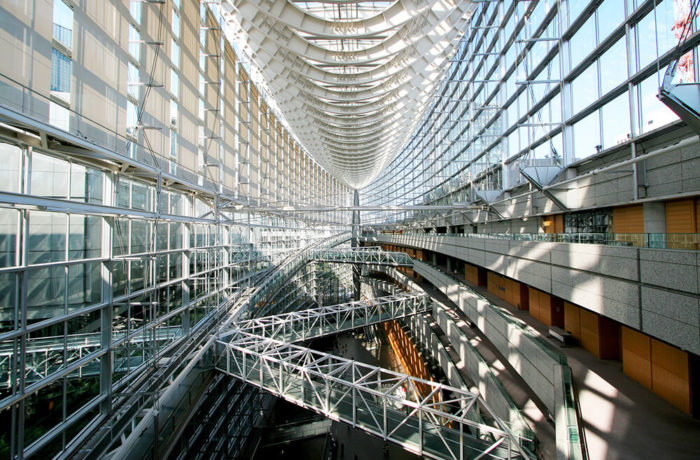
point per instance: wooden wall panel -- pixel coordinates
(492, 283)
(572, 320)
(682, 217)
(534, 296)
(670, 374)
(559, 223)
(557, 311)
(513, 291)
(502, 287)
(548, 224)
(524, 296)
(590, 332)
(471, 274)
(546, 308)
(409, 356)
(540, 306)
(628, 224)
(636, 356)
(553, 223)
(628, 219)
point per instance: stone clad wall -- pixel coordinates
(655, 291)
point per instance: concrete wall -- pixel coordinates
(651, 290)
(486, 383)
(675, 171)
(542, 368)
(531, 357)
(493, 392)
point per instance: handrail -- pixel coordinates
(687, 241)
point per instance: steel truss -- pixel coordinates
(368, 256)
(316, 322)
(425, 417)
(45, 355)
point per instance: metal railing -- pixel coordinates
(687, 241)
(437, 423)
(45, 355)
(316, 322)
(371, 256)
(63, 35)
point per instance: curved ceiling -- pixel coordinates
(351, 77)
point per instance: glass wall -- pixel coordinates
(100, 272)
(535, 85)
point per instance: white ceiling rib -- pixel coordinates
(351, 77)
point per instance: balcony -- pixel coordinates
(63, 35)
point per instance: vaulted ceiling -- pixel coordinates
(351, 77)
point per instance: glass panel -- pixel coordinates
(613, 66)
(49, 176)
(139, 236)
(654, 112)
(175, 54)
(610, 15)
(176, 24)
(10, 172)
(85, 184)
(47, 237)
(587, 137)
(134, 43)
(85, 237)
(7, 301)
(84, 285)
(133, 79)
(123, 193)
(140, 196)
(174, 82)
(616, 121)
(585, 88)
(46, 289)
(646, 32)
(42, 411)
(8, 237)
(60, 74)
(583, 42)
(135, 10)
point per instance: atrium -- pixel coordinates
(447, 229)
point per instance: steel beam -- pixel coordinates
(425, 417)
(317, 322)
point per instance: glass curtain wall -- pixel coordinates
(536, 83)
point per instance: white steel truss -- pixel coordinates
(316, 322)
(370, 256)
(352, 78)
(45, 355)
(425, 417)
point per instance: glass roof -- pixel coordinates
(344, 71)
(343, 11)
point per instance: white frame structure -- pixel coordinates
(352, 79)
(361, 255)
(432, 419)
(316, 322)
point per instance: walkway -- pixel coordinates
(533, 409)
(621, 418)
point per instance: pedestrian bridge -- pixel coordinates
(307, 324)
(425, 417)
(442, 422)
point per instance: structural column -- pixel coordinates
(355, 242)
(449, 259)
